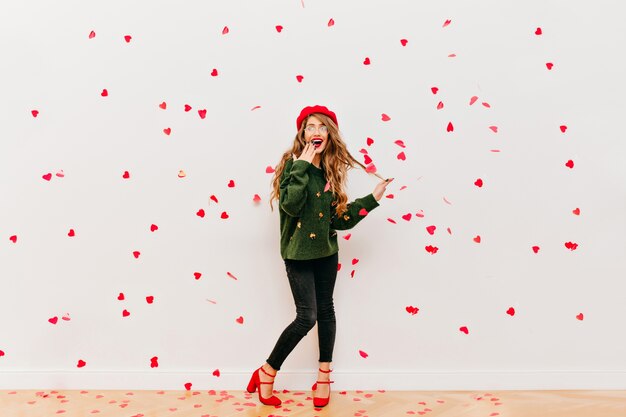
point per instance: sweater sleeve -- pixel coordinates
(354, 215)
(293, 187)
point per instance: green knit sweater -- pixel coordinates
(308, 219)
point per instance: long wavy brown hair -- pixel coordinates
(335, 159)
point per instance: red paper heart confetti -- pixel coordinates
(71, 233)
(202, 113)
(154, 227)
(412, 310)
(403, 42)
(214, 72)
(53, 320)
(47, 176)
(401, 156)
(125, 313)
(327, 186)
(256, 198)
(35, 113)
(104, 93)
(390, 196)
(447, 201)
(440, 105)
(576, 211)
(149, 299)
(420, 214)
(431, 229)
(431, 249)
(494, 129)
(452, 56)
(255, 107)
(167, 131)
(121, 296)
(569, 164)
(279, 28)
(535, 249)
(331, 22)
(370, 168)
(366, 61)
(338, 266)
(299, 78)
(355, 261)
(446, 23)
(200, 213)
(188, 386)
(231, 275)
(464, 329)
(538, 31)
(187, 107)
(510, 311)
(224, 215)
(390, 220)
(136, 254)
(367, 160)
(363, 354)
(370, 141)
(563, 128)
(240, 320)
(580, 316)
(352, 273)
(126, 175)
(81, 363)
(197, 275)
(450, 127)
(269, 170)
(231, 184)
(449, 231)
(549, 65)
(362, 212)
(400, 143)
(92, 34)
(128, 38)
(163, 105)
(385, 118)
(473, 100)
(225, 30)
(154, 362)
(434, 89)
(348, 236)
(485, 104)
(478, 182)
(407, 217)
(216, 372)
(477, 239)
(213, 198)
(571, 245)
(60, 174)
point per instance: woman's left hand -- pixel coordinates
(380, 189)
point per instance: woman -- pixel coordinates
(309, 184)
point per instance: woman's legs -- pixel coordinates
(312, 284)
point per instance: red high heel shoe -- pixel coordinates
(255, 382)
(321, 402)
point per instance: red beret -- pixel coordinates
(309, 110)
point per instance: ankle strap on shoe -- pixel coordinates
(326, 372)
(263, 370)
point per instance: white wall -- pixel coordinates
(50, 64)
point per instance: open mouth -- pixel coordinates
(317, 142)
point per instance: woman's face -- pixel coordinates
(316, 132)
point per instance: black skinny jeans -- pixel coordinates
(312, 283)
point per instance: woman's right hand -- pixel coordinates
(307, 153)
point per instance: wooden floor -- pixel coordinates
(299, 403)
